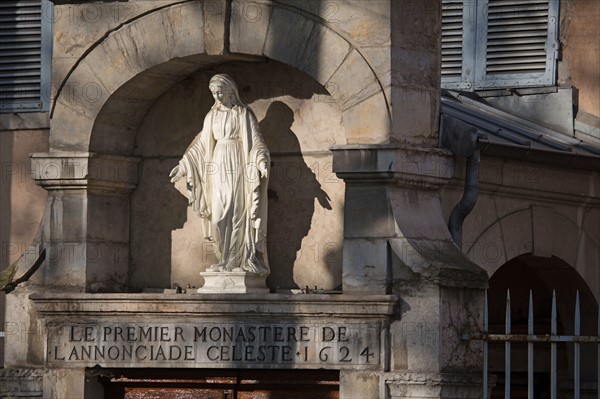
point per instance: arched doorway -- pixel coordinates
(541, 275)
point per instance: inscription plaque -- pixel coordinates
(228, 344)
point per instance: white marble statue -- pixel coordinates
(227, 172)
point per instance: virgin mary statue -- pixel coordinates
(227, 171)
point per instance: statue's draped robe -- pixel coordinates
(225, 187)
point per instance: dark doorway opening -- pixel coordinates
(541, 276)
(217, 384)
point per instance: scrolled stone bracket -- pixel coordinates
(85, 170)
(393, 219)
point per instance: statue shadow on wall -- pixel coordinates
(293, 188)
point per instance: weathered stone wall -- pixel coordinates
(21, 201)
(78, 26)
(324, 40)
(23, 383)
(130, 79)
(581, 53)
(415, 71)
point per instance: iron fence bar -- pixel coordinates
(523, 338)
(577, 349)
(553, 345)
(531, 339)
(507, 349)
(485, 346)
(530, 349)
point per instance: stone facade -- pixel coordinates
(348, 98)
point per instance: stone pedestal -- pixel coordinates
(233, 283)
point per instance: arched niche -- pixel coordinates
(112, 86)
(299, 121)
(101, 105)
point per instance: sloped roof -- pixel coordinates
(508, 136)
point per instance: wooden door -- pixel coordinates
(220, 384)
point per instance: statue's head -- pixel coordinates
(224, 89)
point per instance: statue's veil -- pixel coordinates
(225, 80)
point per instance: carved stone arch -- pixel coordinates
(112, 86)
(540, 231)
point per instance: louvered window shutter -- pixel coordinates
(25, 55)
(458, 43)
(519, 46)
(505, 43)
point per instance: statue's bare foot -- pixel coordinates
(230, 267)
(215, 268)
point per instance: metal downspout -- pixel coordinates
(468, 200)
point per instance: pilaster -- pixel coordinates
(86, 221)
(396, 241)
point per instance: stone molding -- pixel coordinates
(77, 305)
(84, 170)
(402, 165)
(434, 385)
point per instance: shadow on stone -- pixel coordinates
(292, 191)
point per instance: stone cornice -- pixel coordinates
(233, 306)
(403, 165)
(84, 170)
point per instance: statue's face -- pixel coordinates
(221, 94)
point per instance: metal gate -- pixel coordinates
(535, 338)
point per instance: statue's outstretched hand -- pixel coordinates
(176, 174)
(262, 167)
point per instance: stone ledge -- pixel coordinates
(216, 330)
(214, 305)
